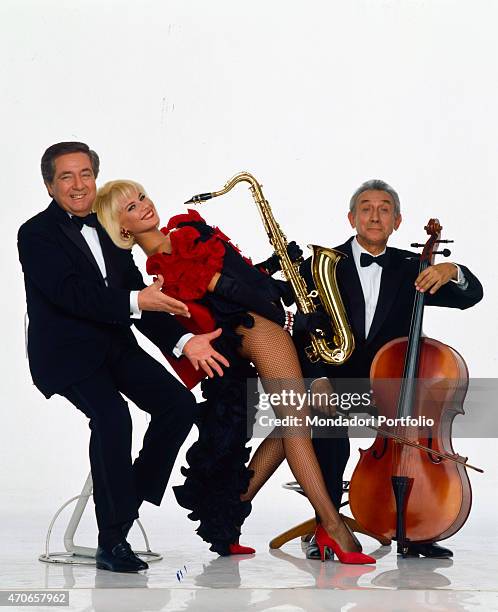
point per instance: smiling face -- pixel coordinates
(137, 214)
(73, 186)
(374, 219)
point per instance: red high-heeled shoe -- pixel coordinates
(324, 541)
(238, 549)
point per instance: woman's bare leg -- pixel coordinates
(273, 353)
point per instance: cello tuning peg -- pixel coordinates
(444, 253)
(416, 245)
(444, 241)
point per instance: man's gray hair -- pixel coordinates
(377, 185)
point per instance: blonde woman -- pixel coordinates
(200, 266)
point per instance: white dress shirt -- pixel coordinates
(92, 239)
(370, 282)
(370, 277)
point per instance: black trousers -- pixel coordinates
(332, 454)
(119, 484)
(332, 447)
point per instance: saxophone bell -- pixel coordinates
(334, 349)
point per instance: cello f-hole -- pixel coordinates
(377, 455)
(432, 457)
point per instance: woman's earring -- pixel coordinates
(125, 233)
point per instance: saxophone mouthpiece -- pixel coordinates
(201, 197)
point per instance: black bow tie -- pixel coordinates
(366, 259)
(90, 220)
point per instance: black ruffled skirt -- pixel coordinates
(217, 475)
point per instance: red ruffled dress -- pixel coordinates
(217, 473)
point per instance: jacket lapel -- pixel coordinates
(107, 247)
(351, 287)
(390, 283)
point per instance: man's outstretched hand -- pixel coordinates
(152, 298)
(201, 354)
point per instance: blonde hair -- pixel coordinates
(106, 206)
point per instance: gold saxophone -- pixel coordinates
(339, 347)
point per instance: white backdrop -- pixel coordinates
(312, 97)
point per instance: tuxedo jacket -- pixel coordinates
(394, 307)
(73, 315)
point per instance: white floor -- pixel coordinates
(280, 580)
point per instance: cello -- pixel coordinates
(410, 485)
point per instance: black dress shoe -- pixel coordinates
(120, 559)
(313, 552)
(430, 549)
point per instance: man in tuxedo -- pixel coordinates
(82, 295)
(378, 285)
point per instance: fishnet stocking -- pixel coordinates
(268, 456)
(273, 353)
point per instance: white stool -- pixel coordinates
(83, 555)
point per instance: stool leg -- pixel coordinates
(308, 527)
(294, 532)
(356, 527)
(74, 521)
(73, 551)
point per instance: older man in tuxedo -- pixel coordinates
(82, 294)
(378, 285)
